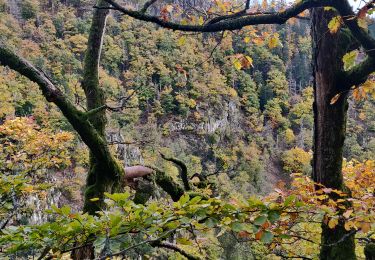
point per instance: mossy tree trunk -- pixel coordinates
(370, 251)
(330, 127)
(101, 177)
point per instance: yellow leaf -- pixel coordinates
(246, 62)
(365, 227)
(333, 223)
(28, 189)
(368, 86)
(94, 199)
(264, 4)
(349, 225)
(335, 24)
(237, 64)
(362, 116)
(247, 39)
(181, 41)
(200, 21)
(249, 59)
(348, 213)
(362, 23)
(274, 41)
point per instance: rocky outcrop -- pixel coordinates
(14, 9)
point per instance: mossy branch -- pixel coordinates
(167, 183)
(94, 111)
(175, 248)
(182, 169)
(358, 74)
(162, 179)
(90, 136)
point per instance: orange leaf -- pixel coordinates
(243, 234)
(365, 227)
(258, 235)
(266, 224)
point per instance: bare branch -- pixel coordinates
(247, 5)
(232, 24)
(150, 241)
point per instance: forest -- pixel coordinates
(187, 129)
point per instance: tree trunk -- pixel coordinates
(370, 251)
(330, 127)
(101, 177)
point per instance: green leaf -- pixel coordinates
(172, 225)
(115, 219)
(99, 244)
(285, 236)
(211, 222)
(184, 198)
(237, 226)
(349, 59)
(267, 237)
(273, 216)
(289, 200)
(260, 220)
(117, 197)
(195, 200)
(183, 241)
(65, 210)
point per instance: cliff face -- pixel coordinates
(14, 9)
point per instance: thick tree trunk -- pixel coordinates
(330, 127)
(101, 177)
(370, 251)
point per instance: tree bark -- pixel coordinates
(101, 177)
(330, 127)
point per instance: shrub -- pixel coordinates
(296, 160)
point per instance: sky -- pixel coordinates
(356, 4)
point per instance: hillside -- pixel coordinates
(236, 106)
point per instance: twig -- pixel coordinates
(212, 51)
(147, 5)
(175, 248)
(150, 241)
